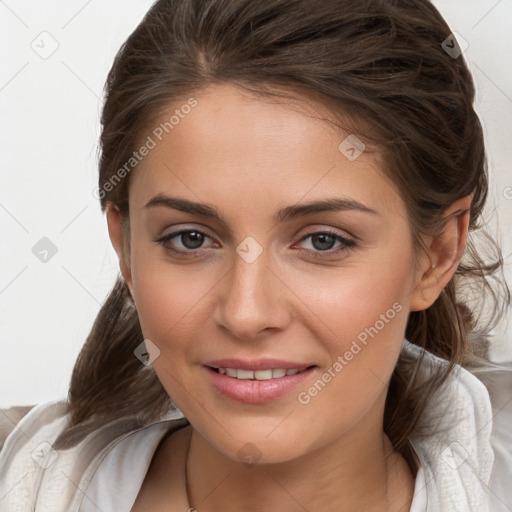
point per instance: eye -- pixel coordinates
(184, 242)
(324, 242)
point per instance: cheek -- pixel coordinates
(171, 302)
(347, 302)
(366, 325)
(359, 317)
(172, 306)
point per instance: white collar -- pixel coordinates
(452, 441)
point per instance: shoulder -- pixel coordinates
(19, 423)
(499, 386)
(9, 419)
(27, 436)
(33, 470)
(465, 441)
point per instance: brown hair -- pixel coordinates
(372, 61)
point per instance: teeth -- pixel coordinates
(263, 374)
(244, 374)
(258, 374)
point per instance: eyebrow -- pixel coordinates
(288, 213)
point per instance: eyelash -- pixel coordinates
(347, 243)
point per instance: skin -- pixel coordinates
(249, 157)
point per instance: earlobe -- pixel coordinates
(444, 255)
(115, 231)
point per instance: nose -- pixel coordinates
(253, 299)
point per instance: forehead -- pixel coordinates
(232, 141)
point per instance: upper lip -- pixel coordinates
(257, 364)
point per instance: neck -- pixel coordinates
(356, 472)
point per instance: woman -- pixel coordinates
(294, 189)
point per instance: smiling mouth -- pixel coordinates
(241, 374)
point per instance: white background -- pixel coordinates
(49, 130)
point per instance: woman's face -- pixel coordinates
(261, 280)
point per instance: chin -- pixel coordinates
(258, 444)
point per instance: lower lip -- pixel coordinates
(257, 391)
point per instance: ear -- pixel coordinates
(120, 245)
(443, 257)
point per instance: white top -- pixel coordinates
(465, 464)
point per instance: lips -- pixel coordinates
(256, 381)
